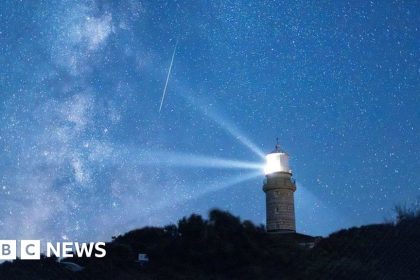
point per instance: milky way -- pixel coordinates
(85, 155)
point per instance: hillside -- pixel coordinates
(224, 247)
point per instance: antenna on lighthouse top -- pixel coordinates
(277, 147)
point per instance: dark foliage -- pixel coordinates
(224, 247)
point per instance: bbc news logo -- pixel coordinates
(31, 249)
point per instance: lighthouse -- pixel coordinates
(279, 188)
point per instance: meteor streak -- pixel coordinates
(167, 77)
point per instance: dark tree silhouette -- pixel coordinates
(224, 247)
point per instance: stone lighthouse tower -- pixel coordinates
(279, 188)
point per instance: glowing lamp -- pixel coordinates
(276, 162)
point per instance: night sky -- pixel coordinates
(85, 153)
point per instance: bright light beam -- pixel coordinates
(167, 77)
(225, 124)
(234, 131)
(189, 160)
(228, 183)
(216, 186)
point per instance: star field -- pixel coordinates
(85, 153)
